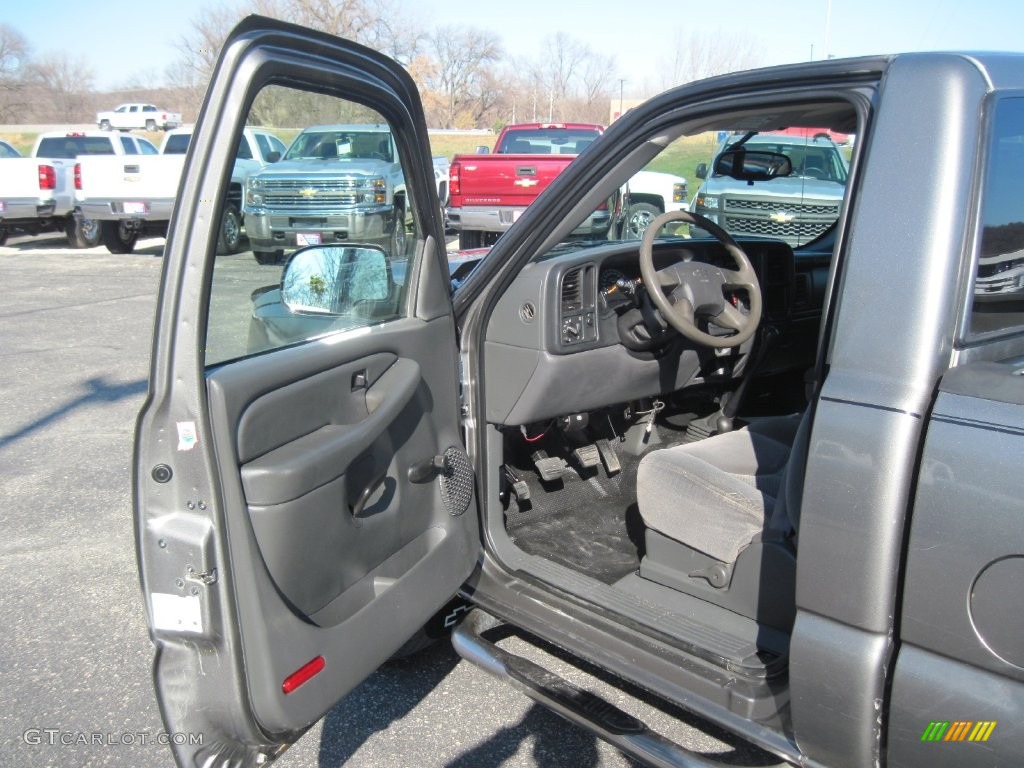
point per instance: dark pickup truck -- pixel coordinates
(777, 487)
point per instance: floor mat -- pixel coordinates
(588, 523)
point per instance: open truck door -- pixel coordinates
(303, 503)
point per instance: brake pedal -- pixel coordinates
(609, 457)
(587, 456)
(550, 468)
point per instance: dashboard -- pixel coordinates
(560, 338)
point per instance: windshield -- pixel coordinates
(799, 208)
(341, 144)
(812, 158)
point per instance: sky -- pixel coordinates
(640, 36)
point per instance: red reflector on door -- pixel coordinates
(303, 674)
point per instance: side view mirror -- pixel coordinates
(702, 171)
(755, 165)
(334, 280)
(483, 149)
(273, 157)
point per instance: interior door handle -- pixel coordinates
(368, 491)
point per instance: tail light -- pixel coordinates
(454, 185)
(47, 177)
(78, 175)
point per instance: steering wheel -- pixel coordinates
(684, 290)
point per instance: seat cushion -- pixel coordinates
(715, 495)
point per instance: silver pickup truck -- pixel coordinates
(776, 487)
(797, 208)
(335, 184)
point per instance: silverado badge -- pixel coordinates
(307, 191)
(782, 217)
(526, 183)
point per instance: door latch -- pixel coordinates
(206, 578)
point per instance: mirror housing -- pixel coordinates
(483, 149)
(333, 280)
(752, 165)
(701, 171)
(273, 156)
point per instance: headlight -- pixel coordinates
(373, 191)
(679, 193)
(253, 192)
(707, 201)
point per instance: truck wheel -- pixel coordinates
(268, 257)
(82, 233)
(638, 217)
(118, 236)
(3, 235)
(151, 125)
(104, 125)
(398, 234)
(230, 232)
(470, 239)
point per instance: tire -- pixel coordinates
(151, 126)
(230, 232)
(3, 235)
(82, 233)
(104, 125)
(470, 239)
(118, 237)
(268, 257)
(638, 216)
(398, 234)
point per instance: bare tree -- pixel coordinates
(456, 73)
(14, 57)
(67, 82)
(198, 51)
(703, 54)
(570, 81)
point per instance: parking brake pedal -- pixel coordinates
(517, 486)
(550, 468)
(609, 457)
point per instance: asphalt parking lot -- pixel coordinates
(76, 658)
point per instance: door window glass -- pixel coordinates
(324, 247)
(998, 296)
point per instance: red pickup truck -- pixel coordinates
(487, 192)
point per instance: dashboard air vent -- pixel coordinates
(572, 291)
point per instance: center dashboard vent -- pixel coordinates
(572, 291)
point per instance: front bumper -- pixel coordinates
(270, 230)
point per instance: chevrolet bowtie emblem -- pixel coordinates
(782, 217)
(527, 183)
(307, 192)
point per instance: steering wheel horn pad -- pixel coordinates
(685, 290)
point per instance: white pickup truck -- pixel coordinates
(37, 193)
(130, 195)
(141, 116)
